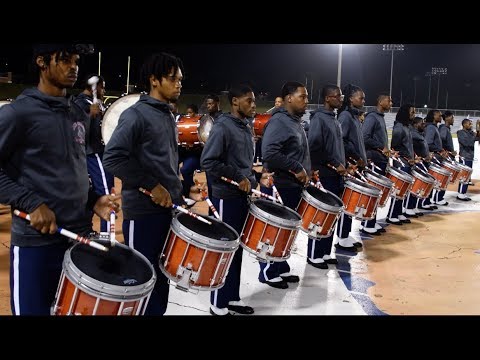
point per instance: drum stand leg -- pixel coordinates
(264, 248)
(186, 274)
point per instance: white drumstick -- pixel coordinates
(66, 233)
(275, 190)
(112, 223)
(252, 190)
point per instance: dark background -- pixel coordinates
(214, 67)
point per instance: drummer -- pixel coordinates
(326, 151)
(354, 99)
(402, 143)
(435, 145)
(143, 153)
(43, 171)
(446, 135)
(423, 158)
(466, 141)
(375, 138)
(285, 152)
(229, 153)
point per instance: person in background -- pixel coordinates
(91, 101)
(446, 135)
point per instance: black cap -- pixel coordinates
(42, 49)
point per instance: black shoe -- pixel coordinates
(278, 284)
(382, 230)
(290, 278)
(406, 221)
(471, 184)
(376, 233)
(321, 265)
(351, 248)
(394, 223)
(331, 261)
(214, 314)
(424, 208)
(358, 244)
(244, 310)
(411, 216)
(420, 214)
(464, 199)
(433, 207)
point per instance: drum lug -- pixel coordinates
(360, 211)
(186, 274)
(314, 229)
(264, 248)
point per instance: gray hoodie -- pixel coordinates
(42, 160)
(375, 136)
(466, 140)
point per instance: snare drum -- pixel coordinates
(441, 175)
(319, 211)
(270, 230)
(360, 199)
(423, 183)
(465, 173)
(381, 183)
(259, 123)
(453, 168)
(93, 282)
(197, 256)
(402, 182)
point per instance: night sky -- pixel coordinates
(214, 67)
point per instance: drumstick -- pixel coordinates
(275, 190)
(112, 222)
(375, 166)
(179, 208)
(361, 176)
(252, 190)
(354, 161)
(66, 233)
(318, 184)
(210, 204)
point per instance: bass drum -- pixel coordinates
(4, 102)
(204, 128)
(112, 115)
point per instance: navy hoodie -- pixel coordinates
(143, 152)
(42, 160)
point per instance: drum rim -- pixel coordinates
(440, 170)
(370, 189)
(311, 200)
(378, 178)
(464, 167)
(450, 165)
(204, 242)
(97, 288)
(402, 175)
(430, 179)
(275, 220)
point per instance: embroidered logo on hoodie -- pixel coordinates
(79, 132)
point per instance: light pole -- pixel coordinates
(339, 69)
(415, 79)
(392, 48)
(439, 71)
(429, 75)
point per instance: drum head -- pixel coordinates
(277, 210)
(112, 115)
(323, 197)
(216, 231)
(206, 123)
(119, 266)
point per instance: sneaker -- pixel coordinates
(289, 278)
(240, 308)
(466, 198)
(394, 221)
(329, 260)
(281, 284)
(219, 311)
(442, 202)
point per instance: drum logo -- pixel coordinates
(130, 281)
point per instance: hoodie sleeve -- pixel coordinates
(275, 137)
(116, 158)
(11, 136)
(347, 131)
(213, 160)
